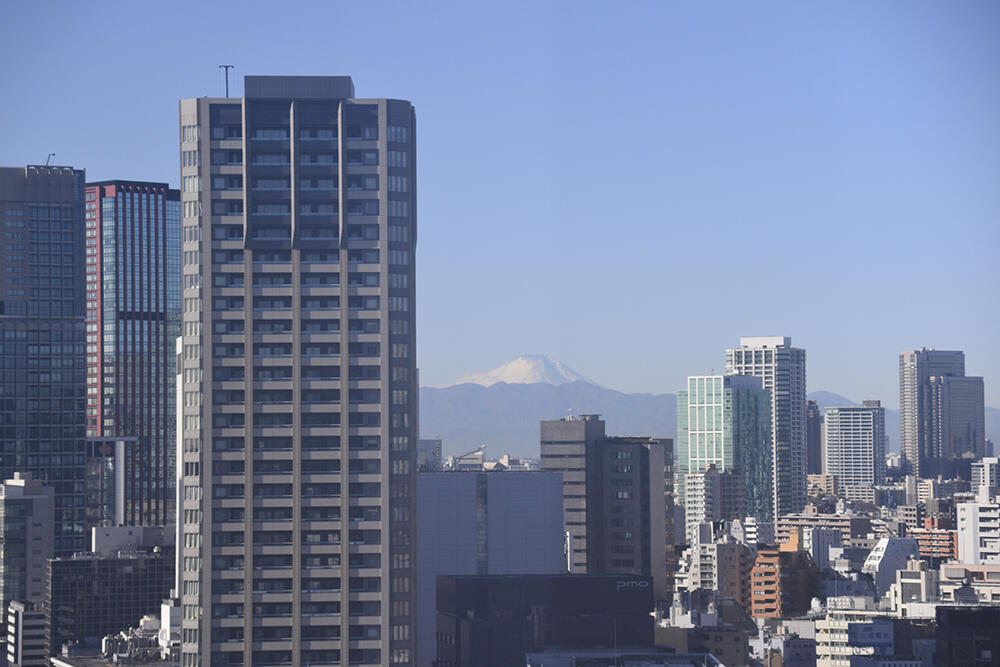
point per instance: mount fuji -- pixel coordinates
(527, 369)
(501, 408)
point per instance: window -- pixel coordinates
(359, 158)
(362, 207)
(398, 133)
(398, 158)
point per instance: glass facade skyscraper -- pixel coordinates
(42, 346)
(725, 421)
(133, 321)
(298, 376)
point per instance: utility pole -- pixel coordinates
(227, 68)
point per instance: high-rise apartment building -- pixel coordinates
(725, 421)
(941, 413)
(783, 370)
(133, 319)
(619, 490)
(814, 439)
(855, 445)
(43, 372)
(298, 374)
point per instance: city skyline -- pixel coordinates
(882, 139)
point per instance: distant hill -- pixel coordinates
(505, 416)
(502, 408)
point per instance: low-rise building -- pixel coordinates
(979, 583)
(888, 557)
(917, 584)
(935, 543)
(854, 629)
(783, 580)
(978, 533)
(850, 526)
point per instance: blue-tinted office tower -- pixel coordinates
(133, 321)
(42, 343)
(725, 421)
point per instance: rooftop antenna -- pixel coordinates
(51, 155)
(227, 68)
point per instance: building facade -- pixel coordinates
(500, 523)
(27, 530)
(43, 361)
(617, 492)
(133, 319)
(90, 596)
(712, 496)
(978, 533)
(814, 439)
(725, 421)
(783, 370)
(940, 415)
(298, 373)
(570, 446)
(855, 445)
(782, 582)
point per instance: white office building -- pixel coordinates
(978, 533)
(855, 445)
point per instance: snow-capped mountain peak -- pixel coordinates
(527, 369)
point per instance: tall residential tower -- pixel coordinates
(783, 370)
(855, 445)
(299, 377)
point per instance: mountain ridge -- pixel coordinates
(505, 415)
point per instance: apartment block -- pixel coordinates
(782, 582)
(855, 445)
(298, 370)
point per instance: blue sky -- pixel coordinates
(628, 187)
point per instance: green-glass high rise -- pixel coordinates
(725, 420)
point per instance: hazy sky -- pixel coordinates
(626, 187)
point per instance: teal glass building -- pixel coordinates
(725, 420)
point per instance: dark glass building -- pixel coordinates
(90, 596)
(42, 344)
(487, 621)
(967, 636)
(133, 321)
